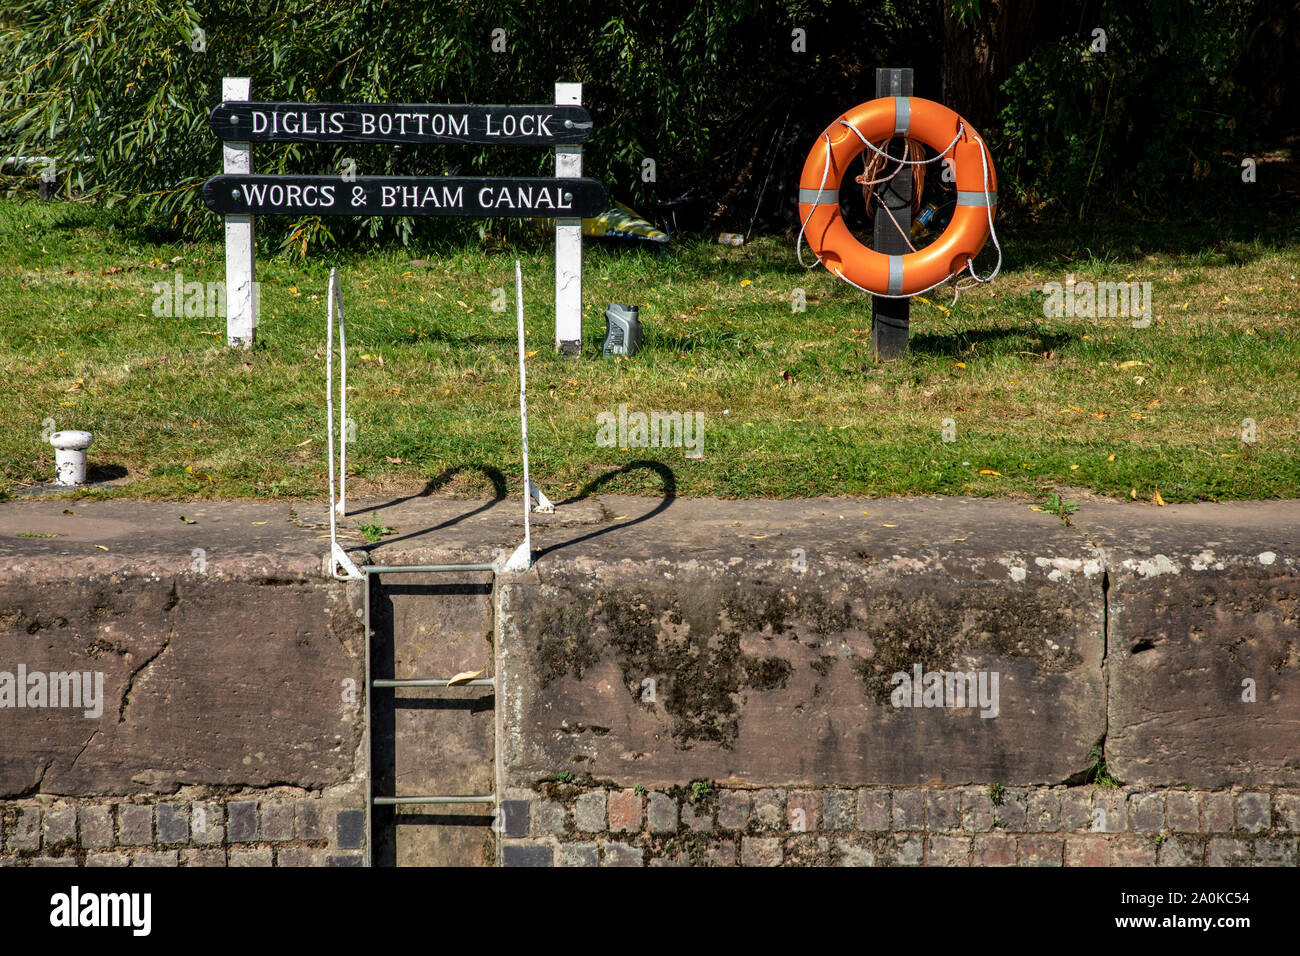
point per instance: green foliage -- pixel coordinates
(1098, 773)
(700, 790)
(997, 793)
(375, 529)
(1057, 506)
(1143, 119)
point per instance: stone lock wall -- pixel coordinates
(678, 683)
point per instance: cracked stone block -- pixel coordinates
(661, 813)
(250, 856)
(277, 822)
(1091, 849)
(1042, 851)
(1043, 811)
(24, 831)
(199, 856)
(60, 825)
(514, 818)
(1010, 815)
(1287, 807)
(1076, 809)
(173, 823)
(589, 812)
(839, 809)
(579, 854)
(722, 853)
(1227, 851)
(1181, 813)
(1254, 812)
(109, 859)
(1133, 850)
(1277, 852)
(308, 820)
(874, 810)
(994, 849)
(96, 822)
(550, 818)
(299, 856)
(948, 851)
(134, 824)
(769, 808)
(760, 851)
(241, 821)
(1180, 851)
(976, 810)
(1216, 812)
(909, 810)
(208, 823)
(1147, 812)
(904, 849)
(527, 854)
(733, 809)
(696, 817)
(856, 852)
(1215, 606)
(803, 810)
(350, 829)
(943, 809)
(155, 858)
(622, 854)
(626, 809)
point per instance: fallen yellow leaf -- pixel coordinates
(1131, 363)
(101, 547)
(259, 522)
(1158, 500)
(463, 677)
(990, 471)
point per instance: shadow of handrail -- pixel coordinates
(670, 492)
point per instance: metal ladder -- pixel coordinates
(372, 684)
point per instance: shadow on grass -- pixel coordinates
(953, 344)
(665, 474)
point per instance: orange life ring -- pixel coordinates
(878, 120)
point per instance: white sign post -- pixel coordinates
(568, 242)
(241, 294)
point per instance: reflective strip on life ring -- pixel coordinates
(879, 120)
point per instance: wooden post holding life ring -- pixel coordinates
(878, 121)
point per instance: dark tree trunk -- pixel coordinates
(980, 52)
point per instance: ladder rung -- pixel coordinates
(392, 801)
(435, 682)
(421, 568)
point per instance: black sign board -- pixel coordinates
(485, 197)
(400, 123)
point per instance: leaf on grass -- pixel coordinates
(1157, 499)
(189, 469)
(1131, 363)
(394, 461)
(463, 677)
(302, 443)
(990, 471)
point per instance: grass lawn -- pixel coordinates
(793, 402)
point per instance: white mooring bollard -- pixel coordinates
(70, 457)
